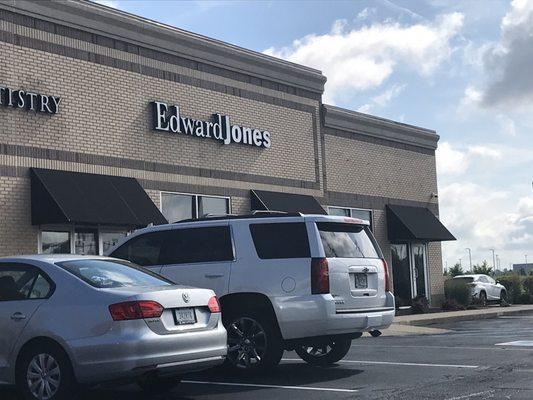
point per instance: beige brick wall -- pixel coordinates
(17, 235)
(360, 167)
(106, 111)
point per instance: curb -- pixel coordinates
(421, 321)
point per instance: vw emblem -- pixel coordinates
(365, 270)
(186, 297)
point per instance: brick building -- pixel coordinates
(111, 121)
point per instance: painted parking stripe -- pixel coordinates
(520, 343)
(469, 396)
(397, 363)
(385, 346)
(258, 385)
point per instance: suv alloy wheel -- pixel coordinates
(254, 343)
(323, 354)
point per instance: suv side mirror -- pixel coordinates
(497, 281)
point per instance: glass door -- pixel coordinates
(418, 262)
(401, 273)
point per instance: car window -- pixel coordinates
(195, 245)
(104, 274)
(483, 279)
(280, 240)
(23, 282)
(142, 250)
(490, 280)
(465, 279)
(346, 240)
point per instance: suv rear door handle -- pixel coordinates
(214, 275)
(18, 316)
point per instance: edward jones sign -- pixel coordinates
(167, 118)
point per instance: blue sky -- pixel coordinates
(461, 68)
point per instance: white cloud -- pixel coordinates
(361, 59)
(366, 13)
(450, 160)
(507, 62)
(385, 98)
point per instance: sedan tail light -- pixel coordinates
(129, 310)
(388, 286)
(213, 304)
(319, 276)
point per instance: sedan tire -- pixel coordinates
(483, 299)
(325, 354)
(44, 372)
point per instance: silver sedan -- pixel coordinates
(71, 319)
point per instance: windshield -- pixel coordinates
(346, 240)
(104, 274)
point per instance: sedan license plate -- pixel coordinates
(361, 281)
(184, 316)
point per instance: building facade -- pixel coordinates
(98, 105)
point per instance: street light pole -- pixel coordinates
(470, 257)
(493, 259)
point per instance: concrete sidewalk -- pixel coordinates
(420, 324)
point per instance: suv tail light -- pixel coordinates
(388, 286)
(129, 310)
(213, 304)
(319, 276)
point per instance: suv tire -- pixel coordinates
(326, 353)
(254, 341)
(44, 368)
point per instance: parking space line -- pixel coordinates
(384, 346)
(398, 363)
(468, 396)
(258, 385)
(519, 343)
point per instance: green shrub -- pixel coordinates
(513, 284)
(457, 292)
(528, 285)
(420, 305)
(525, 298)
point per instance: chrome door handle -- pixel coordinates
(214, 275)
(18, 316)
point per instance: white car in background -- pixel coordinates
(484, 289)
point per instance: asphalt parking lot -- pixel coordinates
(478, 360)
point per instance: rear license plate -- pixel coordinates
(184, 316)
(361, 281)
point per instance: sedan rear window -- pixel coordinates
(104, 274)
(346, 240)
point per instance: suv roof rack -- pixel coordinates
(255, 214)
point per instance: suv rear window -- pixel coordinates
(346, 240)
(280, 240)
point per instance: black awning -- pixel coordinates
(415, 223)
(59, 197)
(288, 202)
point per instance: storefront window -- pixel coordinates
(340, 212)
(85, 242)
(109, 239)
(212, 205)
(176, 207)
(352, 212)
(55, 242)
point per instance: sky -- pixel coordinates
(462, 68)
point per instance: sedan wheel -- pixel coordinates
(44, 372)
(326, 353)
(43, 376)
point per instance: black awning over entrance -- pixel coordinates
(288, 202)
(59, 197)
(407, 223)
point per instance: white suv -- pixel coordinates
(309, 283)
